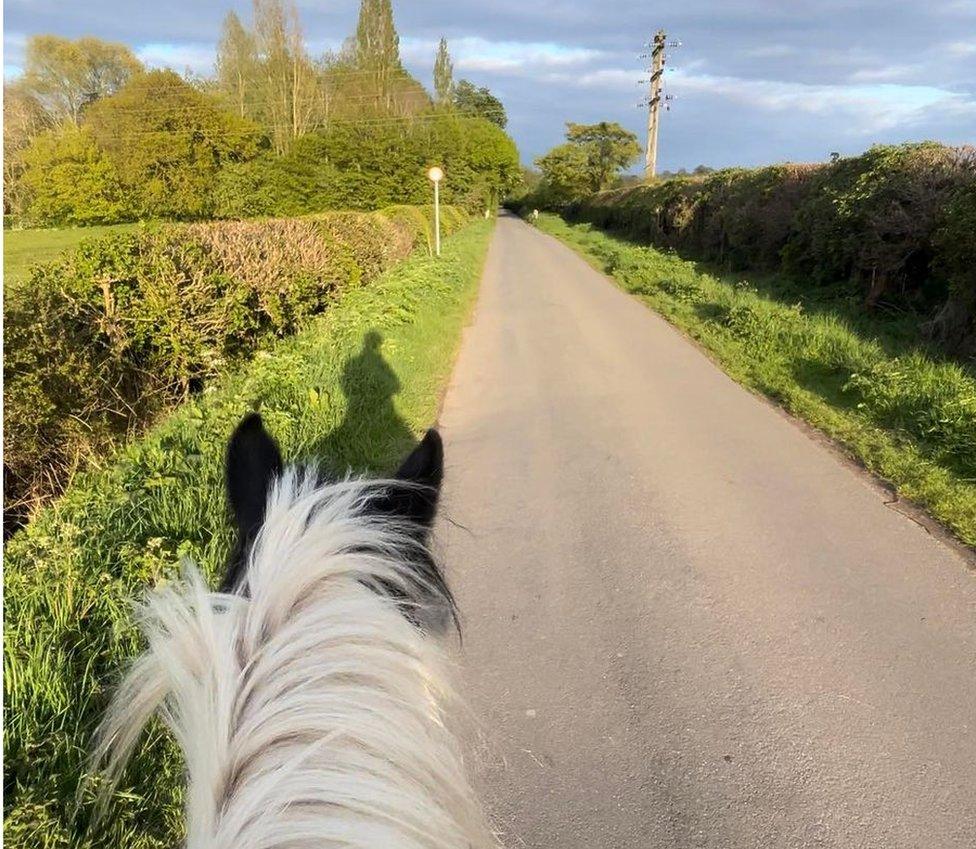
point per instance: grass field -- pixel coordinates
(357, 387)
(23, 248)
(906, 413)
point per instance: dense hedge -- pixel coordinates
(99, 342)
(896, 224)
(366, 166)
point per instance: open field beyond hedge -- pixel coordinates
(355, 387)
(24, 248)
(901, 408)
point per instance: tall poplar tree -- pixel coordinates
(378, 48)
(443, 75)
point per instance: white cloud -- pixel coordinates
(473, 53)
(199, 58)
(960, 48)
(771, 51)
(886, 74)
(860, 108)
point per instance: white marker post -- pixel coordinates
(436, 175)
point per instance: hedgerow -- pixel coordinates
(99, 342)
(894, 225)
(328, 393)
(350, 166)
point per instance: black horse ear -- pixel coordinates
(423, 469)
(253, 463)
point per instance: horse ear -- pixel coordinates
(424, 470)
(253, 463)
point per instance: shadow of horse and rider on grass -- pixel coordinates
(372, 435)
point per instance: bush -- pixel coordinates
(100, 341)
(66, 179)
(894, 225)
(954, 326)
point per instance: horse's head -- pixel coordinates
(309, 710)
(407, 502)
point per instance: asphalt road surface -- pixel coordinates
(687, 622)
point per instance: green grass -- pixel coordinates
(69, 573)
(906, 413)
(23, 248)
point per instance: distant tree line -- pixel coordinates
(90, 136)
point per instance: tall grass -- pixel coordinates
(900, 408)
(356, 386)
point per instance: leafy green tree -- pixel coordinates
(68, 180)
(566, 174)
(67, 76)
(609, 149)
(351, 94)
(471, 100)
(167, 142)
(443, 75)
(590, 160)
(377, 41)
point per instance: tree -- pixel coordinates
(609, 149)
(472, 100)
(24, 119)
(70, 181)
(378, 47)
(590, 160)
(237, 66)
(566, 174)
(67, 76)
(443, 75)
(167, 142)
(289, 91)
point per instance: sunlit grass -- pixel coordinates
(117, 529)
(906, 413)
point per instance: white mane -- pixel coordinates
(311, 713)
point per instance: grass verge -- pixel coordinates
(357, 386)
(901, 410)
(24, 248)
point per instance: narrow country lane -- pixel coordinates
(687, 622)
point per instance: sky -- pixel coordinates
(753, 82)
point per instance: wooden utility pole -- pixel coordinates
(654, 104)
